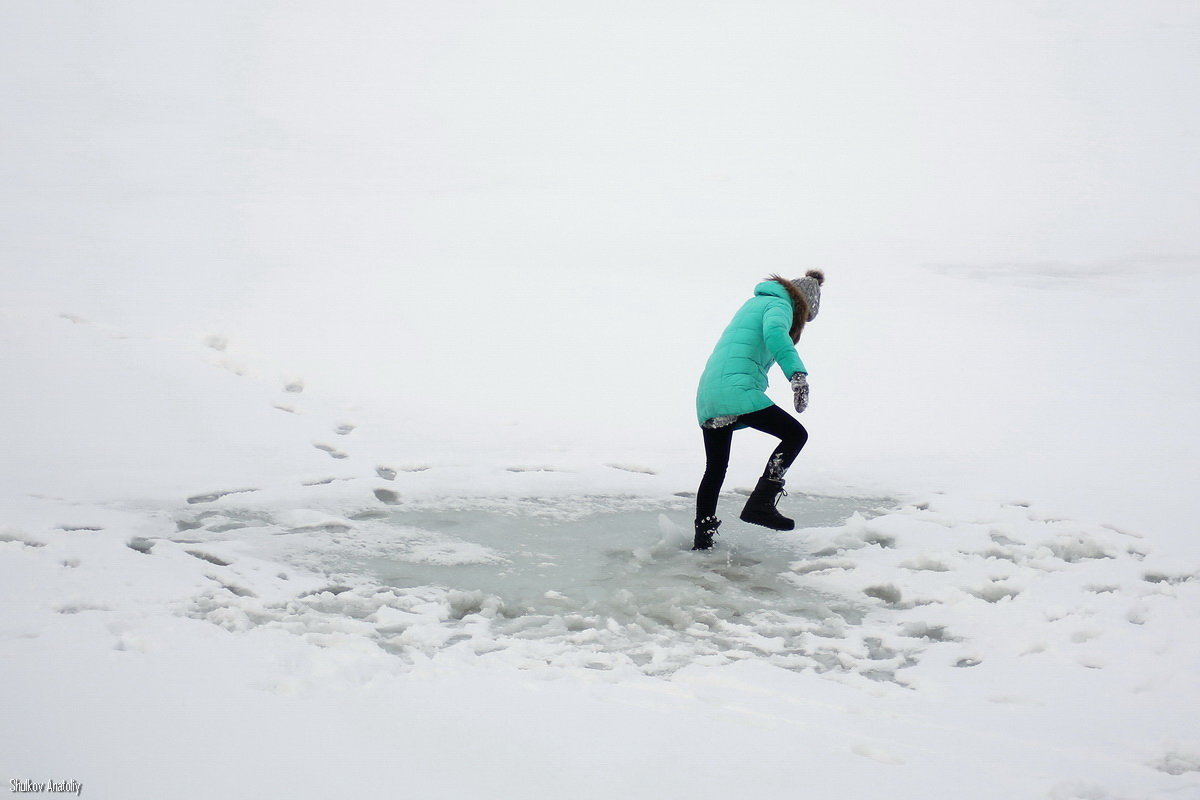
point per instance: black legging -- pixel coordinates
(717, 441)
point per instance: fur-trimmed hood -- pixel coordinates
(799, 303)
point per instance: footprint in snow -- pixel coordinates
(1078, 547)
(932, 633)
(994, 592)
(998, 553)
(882, 540)
(322, 527)
(220, 521)
(334, 590)
(225, 527)
(220, 344)
(1155, 576)
(331, 450)
(75, 608)
(236, 367)
(1000, 538)
(140, 544)
(14, 536)
(344, 429)
(822, 565)
(1137, 615)
(925, 563)
(237, 590)
(387, 496)
(632, 468)
(211, 496)
(209, 557)
(293, 385)
(886, 592)
(390, 473)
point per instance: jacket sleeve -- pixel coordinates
(777, 322)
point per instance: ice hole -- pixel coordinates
(607, 566)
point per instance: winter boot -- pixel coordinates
(760, 508)
(706, 529)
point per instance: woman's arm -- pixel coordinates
(777, 322)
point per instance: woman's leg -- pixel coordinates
(717, 442)
(792, 437)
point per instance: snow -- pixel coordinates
(347, 378)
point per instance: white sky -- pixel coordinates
(546, 211)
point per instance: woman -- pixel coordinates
(731, 396)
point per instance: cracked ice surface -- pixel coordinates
(603, 589)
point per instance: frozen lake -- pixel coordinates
(604, 560)
(598, 581)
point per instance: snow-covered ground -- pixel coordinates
(347, 361)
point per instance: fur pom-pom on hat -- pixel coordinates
(810, 287)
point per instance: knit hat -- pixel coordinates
(810, 287)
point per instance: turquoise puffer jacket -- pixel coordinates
(735, 378)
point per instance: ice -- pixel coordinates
(587, 579)
(586, 557)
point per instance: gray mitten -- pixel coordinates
(800, 391)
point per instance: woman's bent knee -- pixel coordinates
(797, 436)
